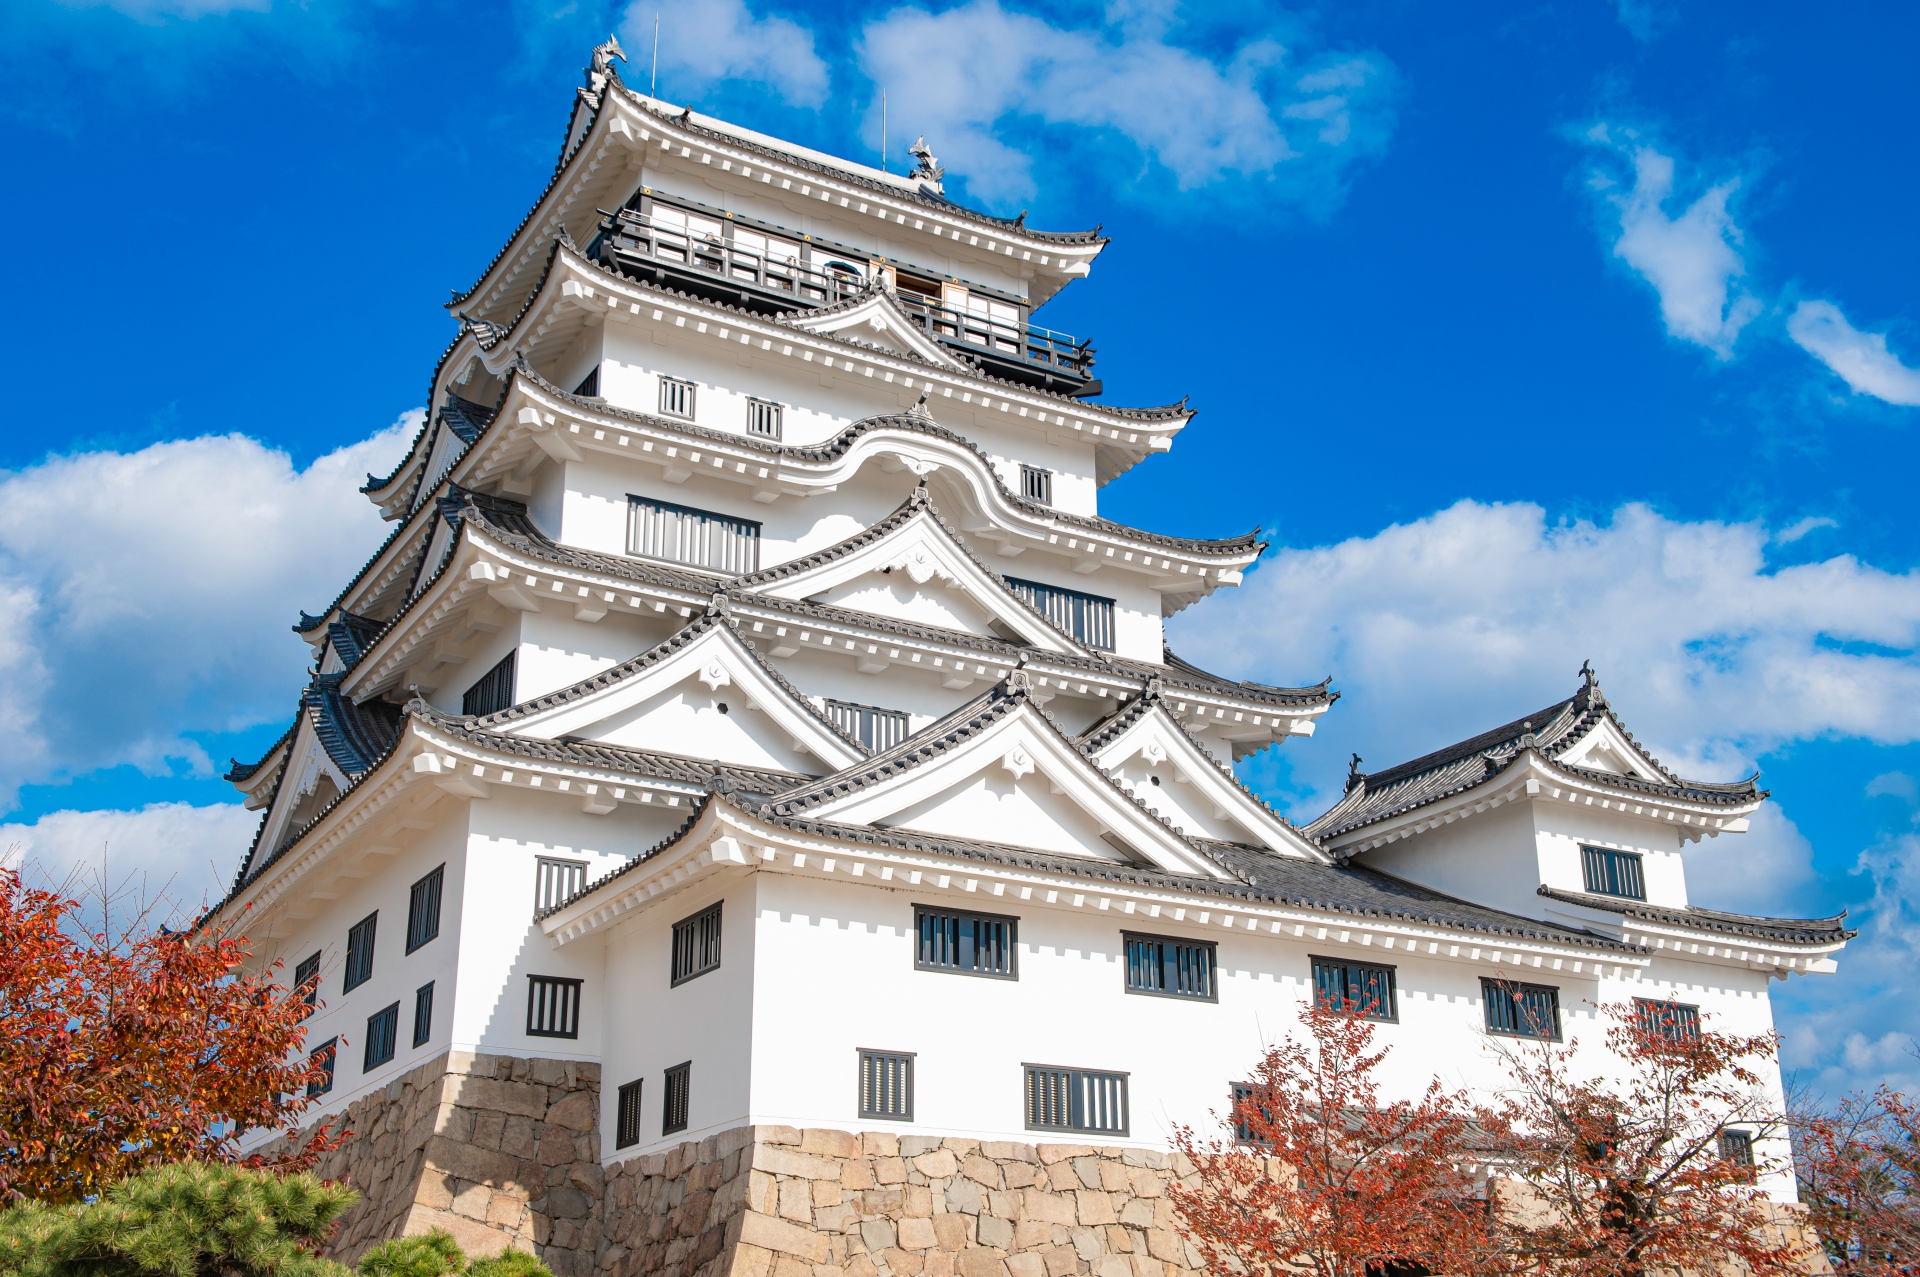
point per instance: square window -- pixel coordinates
(322, 1059)
(1063, 1099)
(1675, 1021)
(359, 964)
(423, 1013)
(674, 1117)
(423, 909)
(696, 945)
(1171, 968)
(553, 1007)
(686, 534)
(763, 419)
(1368, 987)
(1737, 1147)
(878, 729)
(382, 1028)
(1087, 617)
(1522, 1010)
(556, 882)
(676, 398)
(886, 1085)
(626, 1127)
(966, 943)
(1613, 873)
(1036, 484)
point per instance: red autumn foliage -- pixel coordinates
(1860, 1183)
(122, 1055)
(1326, 1178)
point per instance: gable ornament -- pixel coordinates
(715, 675)
(1018, 761)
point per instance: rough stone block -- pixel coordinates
(493, 1095)
(506, 1211)
(980, 1262)
(879, 1144)
(1164, 1245)
(981, 1171)
(750, 1261)
(1054, 1208)
(472, 1201)
(913, 1145)
(995, 1232)
(1113, 1266)
(1088, 1244)
(1145, 1182)
(826, 1192)
(434, 1191)
(796, 1202)
(964, 1195)
(1094, 1208)
(1051, 1153)
(464, 1161)
(954, 1232)
(939, 1164)
(1113, 1177)
(878, 1234)
(786, 1161)
(776, 1134)
(577, 1112)
(917, 1234)
(1061, 1261)
(855, 1173)
(783, 1238)
(902, 1263)
(1087, 1170)
(916, 1200)
(889, 1170)
(1020, 1174)
(829, 1143)
(1147, 1266)
(1137, 1214)
(1027, 1265)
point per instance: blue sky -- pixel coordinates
(1531, 333)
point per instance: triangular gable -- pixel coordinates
(308, 782)
(874, 319)
(998, 771)
(668, 700)
(913, 549)
(1145, 749)
(1605, 747)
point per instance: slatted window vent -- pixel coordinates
(1737, 1147)
(557, 881)
(696, 945)
(763, 419)
(423, 909)
(306, 978)
(1244, 1131)
(626, 1126)
(1614, 873)
(878, 729)
(589, 388)
(676, 398)
(1521, 1010)
(1063, 1099)
(1171, 968)
(684, 534)
(679, 1085)
(423, 1014)
(1674, 1021)
(383, 1028)
(322, 1059)
(1363, 988)
(967, 943)
(1087, 617)
(359, 963)
(494, 691)
(886, 1085)
(553, 1007)
(1036, 484)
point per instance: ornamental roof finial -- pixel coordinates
(602, 69)
(930, 170)
(1354, 775)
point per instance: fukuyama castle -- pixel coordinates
(747, 818)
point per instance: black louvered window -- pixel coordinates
(683, 534)
(876, 728)
(1171, 968)
(1063, 1099)
(1675, 1021)
(1087, 617)
(556, 881)
(1036, 484)
(494, 691)
(886, 1085)
(676, 397)
(1364, 988)
(1737, 1147)
(383, 1027)
(1613, 873)
(321, 1060)
(1522, 1010)
(423, 1014)
(763, 419)
(966, 943)
(359, 963)
(423, 909)
(1245, 1104)
(626, 1122)
(696, 944)
(589, 387)
(306, 978)
(679, 1085)
(553, 1007)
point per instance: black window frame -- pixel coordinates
(423, 908)
(383, 1038)
(1140, 940)
(1351, 988)
(1036, 483)
(748, 532)
(1490, 986)
(546, 869)
(865, 723)
(922, 914)
(1652, 1015)
(1621, 875)
(1086, 618)
(688, 389)
(306, 980)
(589, 387)
(559, 1010)
(1238, 1093)
(677, 1097)
(423, 1014)
(492, 691)
(696, 938)
(890, 1073)
(358, 968)
(1075, 1083)
(626, 1120)
(1736, 1146)
(762, 414)
(326, 1055)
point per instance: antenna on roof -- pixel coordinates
(653, 81)
(883, 130)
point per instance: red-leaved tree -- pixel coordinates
(1323, 1177)
(1860, 1182)
(116, 1055)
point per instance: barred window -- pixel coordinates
(1087, 617)
(423, 1013)
(626, 1125)
(1036, 484)
(1368, 987)
(359, 964)
(322, 1058)
(589, 387)
(683, 534)
(676, 397)
(966, 943)
(1737, 1147)
(1171, 968)
(494, 691)
(553, 1007)
(1675, 1021)
(1613, 873)
(423, 909)
(556, 881)
(382, 1028)
(763, 419)
(1244, 1100)
(679, 1082)
(306, 978)
(886, 1085)
(1522, 1010)
(878, 729)
(696, 944)
(1063, 1099)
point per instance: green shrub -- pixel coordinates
(509, 1263)
(433, 1254)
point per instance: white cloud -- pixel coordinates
(1643, 19)
(1862, 360)
(1693, 261)
(185, 853)
(961, 75)
(1760, 871)
(146, 595)
(154, 11)
(712, 40)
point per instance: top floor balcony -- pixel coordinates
(759, 269)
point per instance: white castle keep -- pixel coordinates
(746, 817)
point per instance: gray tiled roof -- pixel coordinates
(465, 417)
(1809, 931)
(238, 771)
(354, 736)
(350, 636)
(1376, 796)
(1102, 734)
